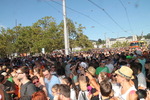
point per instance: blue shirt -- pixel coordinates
(49, 84)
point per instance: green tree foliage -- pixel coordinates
(45, 33)
(147, 36)
(81, 39)
(76, 36)
(119, 44)
(100, 41)
(49, 37)
(6, 42)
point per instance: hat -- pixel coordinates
(125, 71)
(83, 64)
(91, 70)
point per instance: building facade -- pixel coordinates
(111, 41)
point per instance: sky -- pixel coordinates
(102, 18)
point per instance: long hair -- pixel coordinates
(39, 71)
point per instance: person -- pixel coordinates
(83, 93)
(127, 90)
(60, 74)
(67, 68)
(141, 94)
(39, 95)
(109, 65)
(27, 88)
(147, 66)
(3, 94)
(73, 74)
(142, 60)
(64, 91)
(36, 82)
(106, 92)
(55, 91)
(93, 86)
(16, 82)
(102, 68)
(39, 74)
(115, 85)
(133, 66)
(73, 91)
(50, 80)
(141, 77)
(148, 95)
(9, 87)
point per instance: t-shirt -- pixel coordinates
(110, 67)
(141, 80)
(49, 84)
(142, 61)
(27, 89)
(10, 79)
(102, 69)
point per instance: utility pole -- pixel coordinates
(105, 39)
(66, 36)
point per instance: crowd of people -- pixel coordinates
(106, 74)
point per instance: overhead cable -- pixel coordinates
(107, 14)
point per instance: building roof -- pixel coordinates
(112, 39)
(129, 37)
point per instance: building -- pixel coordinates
(111, 41)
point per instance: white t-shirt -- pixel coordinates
(141, 80)
(73, 94)
(116, 88)
(110, 67)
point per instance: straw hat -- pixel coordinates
(125, 71)
(91, 70)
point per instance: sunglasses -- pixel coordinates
(35, 82)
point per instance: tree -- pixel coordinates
(50, 37)
(76, 36)
(100, 41)
(147, 36)
(119, 44)
(125, 44)
(45, 33)
(6, 42)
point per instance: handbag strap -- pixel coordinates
(83, 95)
